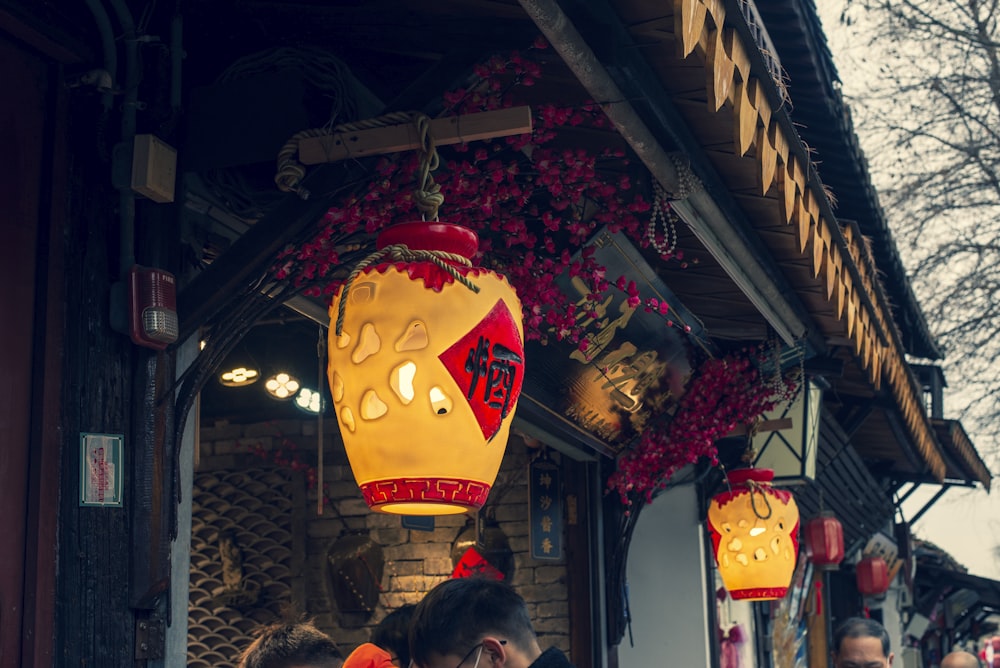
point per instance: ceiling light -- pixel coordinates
(309, 400)
(282, 385)
(239, 376)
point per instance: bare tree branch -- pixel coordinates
(929, 119)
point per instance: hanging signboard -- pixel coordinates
(634, 358)
(881, 545)
(418, 522)
(101, 470)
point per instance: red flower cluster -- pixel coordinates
(721, 394)
(533, 202)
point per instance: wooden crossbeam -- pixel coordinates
(404, 137)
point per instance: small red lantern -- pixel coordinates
(824, 538)
(755, 531)
(873, 576)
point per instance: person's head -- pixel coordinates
(960, 660)
(393, 635)
(472, 623)
(861, 643)
(291, 645)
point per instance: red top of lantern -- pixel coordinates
(742, 476)
(741, 479)
(420, 235)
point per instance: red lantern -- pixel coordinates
(873, 576)
(824, 537)
(755, 531)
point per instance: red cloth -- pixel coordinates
(368, 656)
(472, 564)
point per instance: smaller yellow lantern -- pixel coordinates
(755, 532)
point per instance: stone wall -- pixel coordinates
(414, 560)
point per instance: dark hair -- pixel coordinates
(860, 627)
(287, 644)
(458, 613)
(393, 634)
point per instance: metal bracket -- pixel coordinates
(150, 637)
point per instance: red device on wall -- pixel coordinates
(152, 303)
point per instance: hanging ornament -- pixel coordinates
(426, 363)
(754, 535)
(426, 366)
(824, 539)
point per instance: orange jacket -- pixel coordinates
(368, 656)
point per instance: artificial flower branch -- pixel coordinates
(536, 200)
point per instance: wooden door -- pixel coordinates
(28, 363)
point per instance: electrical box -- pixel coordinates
(154, 168)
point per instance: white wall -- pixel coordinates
(667, 590)
(891, 618)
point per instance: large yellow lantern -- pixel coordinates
(425, 372)
(755, 532)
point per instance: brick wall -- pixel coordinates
(414, 560)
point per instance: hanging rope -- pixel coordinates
(756, 487)
(661, 213)
(427, 195)
(403, 253)
(320, 356)
(325, 78)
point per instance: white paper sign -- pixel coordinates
(101, 470)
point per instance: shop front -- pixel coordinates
(676, 303)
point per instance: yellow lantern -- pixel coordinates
(425, 372)
(755, 531)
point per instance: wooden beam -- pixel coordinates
(250, 255)
(403, 136)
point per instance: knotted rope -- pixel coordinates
(755, 486)
(427, 196)
(403, 253)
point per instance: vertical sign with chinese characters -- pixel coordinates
(101, 470)
(545, 509)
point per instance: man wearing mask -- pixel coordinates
(477, 622)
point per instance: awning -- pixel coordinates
(953, 600)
